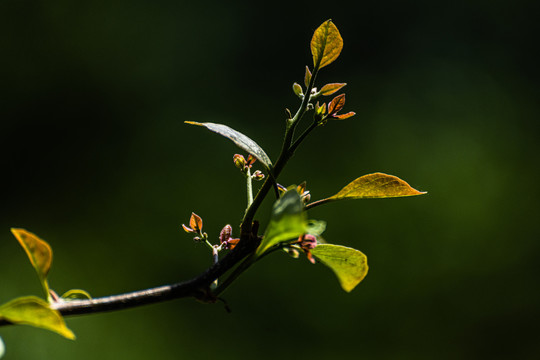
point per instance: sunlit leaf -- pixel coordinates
(336, 104)
(377, 185)
(288, 221)
(195, 222)
(307, 77)
(326, 44)
(39, 252)
(33, 311)
(76, 294)
(241, 140)
(349, 265)
(329, 89)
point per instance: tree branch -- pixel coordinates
(197, 287)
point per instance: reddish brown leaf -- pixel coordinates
(336, 104)
(344, 116)
(188, 229)
(195, 222)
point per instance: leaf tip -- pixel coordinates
(193, 123)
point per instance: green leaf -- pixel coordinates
(326, 44)
(288, 221)
(377, 185)
(241, 140)
(76, 294)
(349, 265)
(39, 252)
(316, 227)
(33, 311)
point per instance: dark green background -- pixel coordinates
(95, 159)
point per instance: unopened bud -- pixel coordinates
(258, 175)
(292, 252)
(225, 234)
(250, 160)
(239, 161)
(308, 242)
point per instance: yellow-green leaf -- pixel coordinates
(326, 44)
(349, 265)
(288, 221)
(33, 311)
(329, 89)
(39, 252)
(377, 185)
(76, 294)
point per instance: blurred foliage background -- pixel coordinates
(95, 159)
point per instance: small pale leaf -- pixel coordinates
(377, 185)
(39, 252)
(241, 140)
(288, 221)
(33, 311)
(297, 89)
(349, 265)
(2, 348)
(326, 44)
(307, 77)
(329, 89)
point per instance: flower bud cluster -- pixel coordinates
(245, 165)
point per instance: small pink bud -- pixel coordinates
(258, 175)
(239, 161)
(225, 234)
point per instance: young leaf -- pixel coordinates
(336, 104)
(297, 89)
(195, 222)
(349, 265)
(377, 185)
(343, 116)
(241, 140)
(76, 294)
(329, 89)
(307, 77)
(33, 311)
(288, 221)
(316, 227)
(326, 44)
(39, 252)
